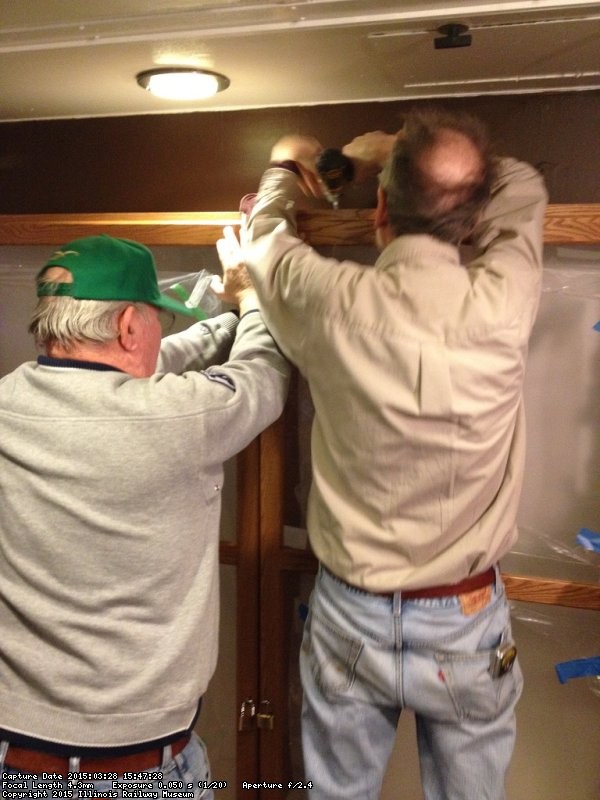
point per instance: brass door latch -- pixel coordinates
(264, 720)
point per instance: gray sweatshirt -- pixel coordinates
(110, 499)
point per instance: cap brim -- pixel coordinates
(170, 304)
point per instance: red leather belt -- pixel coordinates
(469, 584)
(37, 762)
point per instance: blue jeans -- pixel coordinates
(366, 657)
(188, 771)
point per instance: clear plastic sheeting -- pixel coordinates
(558, 736)
(572, 270)
(561, 491)
(536, 553)
(17, 301)
(564, 640)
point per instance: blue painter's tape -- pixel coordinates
(588, 539)
(597, 327)
(578, 668)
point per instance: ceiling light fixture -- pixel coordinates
(182, 83)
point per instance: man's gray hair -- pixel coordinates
(415, 202)
(67, 321)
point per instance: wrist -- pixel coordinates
(247, 301)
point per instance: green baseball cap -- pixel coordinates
(105, 268)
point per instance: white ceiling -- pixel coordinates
(79, 58)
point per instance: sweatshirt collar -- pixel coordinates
(73, 363)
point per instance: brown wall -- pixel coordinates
(207, 161)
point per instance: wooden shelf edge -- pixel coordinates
(572, 224)
(552, 592)
(151, 228)
(577, 223)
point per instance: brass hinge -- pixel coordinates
(247, 715)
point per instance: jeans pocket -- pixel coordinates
(332, 655)
(473, 692)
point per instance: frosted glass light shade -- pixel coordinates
(183, 83)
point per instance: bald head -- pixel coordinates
(439, 175)
(450, 169)
(452, 160)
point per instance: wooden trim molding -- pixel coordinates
(572, 224)
(150, 228)
(552, 592)
(564, 224)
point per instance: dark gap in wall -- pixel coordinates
(207, 161)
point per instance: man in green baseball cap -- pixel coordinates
(112, 447)
(109, 286)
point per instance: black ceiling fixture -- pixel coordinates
(454, 35)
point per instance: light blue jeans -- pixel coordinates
(185, 775)
(366, 657)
